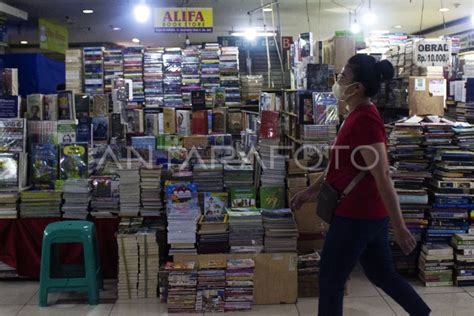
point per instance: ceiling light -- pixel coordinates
(369, 18)
(142, 13)
(267, 9)
(444, 10)
(355, 28)
(135, 40)
(252, 34)
(116, 28)
(397, 27)
(23, 42)
(87, 11)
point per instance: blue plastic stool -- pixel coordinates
(55, 277)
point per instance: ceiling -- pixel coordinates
(228, 15)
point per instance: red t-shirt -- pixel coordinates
(363, 126)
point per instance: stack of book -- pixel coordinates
(245, 231)
(113, 67)
(464, 259)
(76, 196)
(281, 232)
(130, 190)
(436, 265)
(182, 283)
(73, 63)
(229, 75)
(470, 112)
(105, 196)
(210, 72)
(213, 234)
(8, 204)
(150, 185)
(172, 70)
(133, 70)
(93, 70)
(464, 137)
(149, 263)
(191, 73)
(183, 213)
(128, 268)
(308, 275)
(438, 136)
(239, 284)
(238, 176)
(273, 164)
(319, 133)
(40, 204)
(251, 87)
(211, 286)
(153, 76)
(209, 176)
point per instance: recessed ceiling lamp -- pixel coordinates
(355, 28)
(369, 17)
(141, 12)
(23, 42)
(267, 9)
(116, 28)
(397, 27)
(135, 40)
(443, 9)
(87, 11)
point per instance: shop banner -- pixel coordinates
(189, 20)
(432, 52)
(53, 36)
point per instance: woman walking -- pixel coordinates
(359, 229)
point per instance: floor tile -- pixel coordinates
(360, 286)
(8, 310)
(144, 309)
(67, 309)
(259, 310)
(442, 304)
(421, 289)
(17, 292)
(355, 306)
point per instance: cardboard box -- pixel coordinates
(275, 279)
(426, 96)
(299, 181)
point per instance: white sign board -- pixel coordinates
(432, 53)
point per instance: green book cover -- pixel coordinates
(272, 197)
(166, 141)
(243, 197)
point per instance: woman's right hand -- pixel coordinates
(300, 198)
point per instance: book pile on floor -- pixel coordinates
(130, 190)
(153, 76)
(93, 70)
(77, 196)
(182, 282)
(464, 259)
(273, 164)
(172, 72)
(436, 265)
(213, 234)
(281, 233)
(40, 204)
(236, 176)
(191, 73)
(149, 262)
(308, 275)
(245, 230)
(229, 74)
(113, 67)
(239, 284)
(209, 177)
(437, 136)
(183, 214)
(133, 70)
(211, 286)
(105, 196)
(150, 185)
(464, 137)
(8, 204)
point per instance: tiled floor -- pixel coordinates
(21, 298)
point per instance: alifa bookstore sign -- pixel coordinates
(432, 52)
(190, 20)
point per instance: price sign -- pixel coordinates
(432, 53)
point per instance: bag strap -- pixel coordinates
(353, 183)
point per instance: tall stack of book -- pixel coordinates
(105, 196)
(93, 70)
(151, 197)
(8, 204)
(438, 136)
(172, 70)
(245, 231)
(113, 67)
(411, 169)
(238, 176)
(211, 286)
(40, 204)
(153, 77)
(77, 197)
(281, 232)
(229, 75)
(464, 259)
(73, 63)
(209, 177)
(213, 234)
(130, 190)
(133, 70)
(308, 275)
(273, 164)
(191, 73)
(183, 213)
(149, 263)
(239, 284)
(128, 269)
(464, 137)
(319, 133)
(182, 283)
(436, 265)
(210, 71)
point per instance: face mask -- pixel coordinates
(339, 90)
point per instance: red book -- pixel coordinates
(199, 122)
(270, 125)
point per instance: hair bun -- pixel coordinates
(385, 69)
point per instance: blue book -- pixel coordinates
(446, 231)
(84, 130)
(10, 106)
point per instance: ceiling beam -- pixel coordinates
(13, 12)
(440, 27)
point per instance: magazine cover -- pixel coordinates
(183, 122)
(12, 135)
(82, 105)
(10, 106)
(74, 162)
(34, 107)
(44, 166)
(66, 132)
(100, 128)
(9, 171)
(243, 197)
(50, 107)
(84, 130)
(215, 203)
(272, 197)
(181, 196)
(100, 105)
(66, 105)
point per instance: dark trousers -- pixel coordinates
(350, 240)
